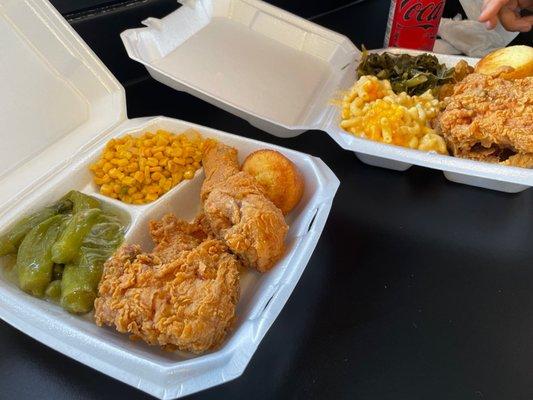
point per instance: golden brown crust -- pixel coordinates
(513, 62)
(219, 162)
(238, 212)
(279, 178)
(185, 302)
(489, 119)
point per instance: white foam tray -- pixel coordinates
(280, 73)
(53, 150)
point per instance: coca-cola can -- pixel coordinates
(413, 24)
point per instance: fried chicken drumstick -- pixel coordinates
(238, 212)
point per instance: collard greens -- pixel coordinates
(411, 74)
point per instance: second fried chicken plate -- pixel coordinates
(184, 293)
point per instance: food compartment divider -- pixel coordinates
(162, 374)
(43, 46)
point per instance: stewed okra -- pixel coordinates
(10, 242)
(34, 259)
(61, 250)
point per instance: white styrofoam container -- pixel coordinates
(59, 106)
(281, 73)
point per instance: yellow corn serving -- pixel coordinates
(138, 170)
(372, 110)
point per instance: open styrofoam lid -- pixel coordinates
(57, 96)
(247, 57)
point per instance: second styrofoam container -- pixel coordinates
(282, 74)
(59, 107)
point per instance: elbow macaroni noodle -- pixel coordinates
(372, 110)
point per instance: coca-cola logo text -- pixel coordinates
(412, 9)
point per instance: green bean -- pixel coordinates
(78, 287)
(53, 291)
(81, 201)
(34, 258)
(10, 242)
(80, 282)
(67, 247)
(10, 269)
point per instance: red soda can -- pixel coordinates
(413, 24)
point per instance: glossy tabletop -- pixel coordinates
(419, 288)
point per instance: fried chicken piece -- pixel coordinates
(183, 295)
(490, 119)
(171, 236)
(460, 72)
(219, 162)
(238, 212)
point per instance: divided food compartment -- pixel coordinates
(171, 374)
(87, 110)
(283, 74)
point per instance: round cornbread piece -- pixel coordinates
(279, 178)
(518, 59)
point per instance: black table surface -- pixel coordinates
(419, 288)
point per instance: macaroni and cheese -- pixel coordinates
(372, 110)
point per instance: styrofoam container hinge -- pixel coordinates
(281, 73)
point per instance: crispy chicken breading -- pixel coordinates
(183, 295)
(239, 213)
(171, 236)
(490, 119)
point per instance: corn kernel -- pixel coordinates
(156, 176)
(107, 166)
(152, 162)
(128, 180)
(137, 170)
(153, 189)
(132, 168)
(106, 190)
(151, 197)
(146, 152)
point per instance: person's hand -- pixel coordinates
(508, 13)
